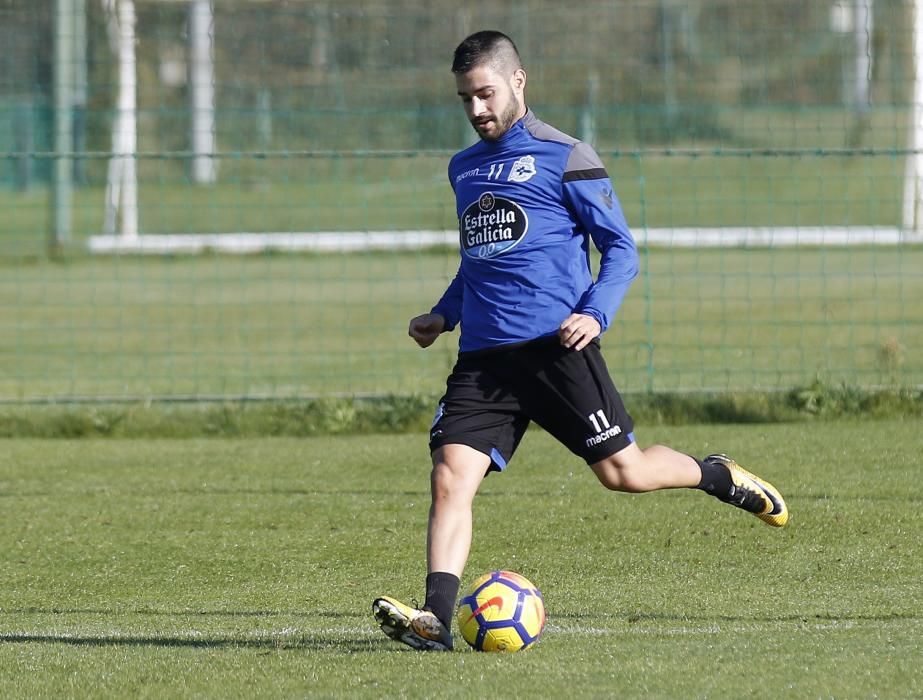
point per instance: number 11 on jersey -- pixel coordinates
(602, 419)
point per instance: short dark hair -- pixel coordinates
(487, 47)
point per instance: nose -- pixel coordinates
(478, 106)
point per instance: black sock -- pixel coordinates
(716, 479)
(441, 591)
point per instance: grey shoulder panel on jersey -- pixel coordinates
(582, 164)
(546, 132)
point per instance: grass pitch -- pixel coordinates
(294, 325)
(246, 568)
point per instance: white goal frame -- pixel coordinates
(121, 233)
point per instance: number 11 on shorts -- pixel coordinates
(602, 419)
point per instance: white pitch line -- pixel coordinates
(230, 636)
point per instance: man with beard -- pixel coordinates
(529, 200)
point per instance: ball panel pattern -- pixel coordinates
(503, 611)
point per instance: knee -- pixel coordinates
(457, 472)
(450, 482)
(443, 481)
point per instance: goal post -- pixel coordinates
(121, 206)
(122, 176)
(912, 216)
(202, 91)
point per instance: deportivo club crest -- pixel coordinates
(491, 226)
(522, 170)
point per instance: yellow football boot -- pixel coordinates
(416, 628)
(753, 494)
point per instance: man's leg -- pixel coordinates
(634, 470)
(659, 467)
(457, 473)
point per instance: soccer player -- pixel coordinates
(529, 200)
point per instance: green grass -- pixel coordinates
(283, 325)
(413, 413)
(245, 568)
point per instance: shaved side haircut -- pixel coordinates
(490, 48)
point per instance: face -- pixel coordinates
(492, 102)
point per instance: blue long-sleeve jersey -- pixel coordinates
(527, 205)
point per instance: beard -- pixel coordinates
(503, 121)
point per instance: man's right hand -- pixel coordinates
(426, 328)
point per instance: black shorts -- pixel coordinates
(492, 395)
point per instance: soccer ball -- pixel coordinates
(502, 611)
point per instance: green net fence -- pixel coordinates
(759, 150)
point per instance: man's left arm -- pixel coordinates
(589, 194)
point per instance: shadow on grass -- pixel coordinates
(268, 641)
(214, 491)
(306, 642)
(185, 613)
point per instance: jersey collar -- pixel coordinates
(515, 131)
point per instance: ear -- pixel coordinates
(518, 81)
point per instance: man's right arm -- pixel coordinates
(424, 329)
(446, 314)
(450, 305)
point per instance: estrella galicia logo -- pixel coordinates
(491, 226)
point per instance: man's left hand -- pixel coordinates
(578, 330)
